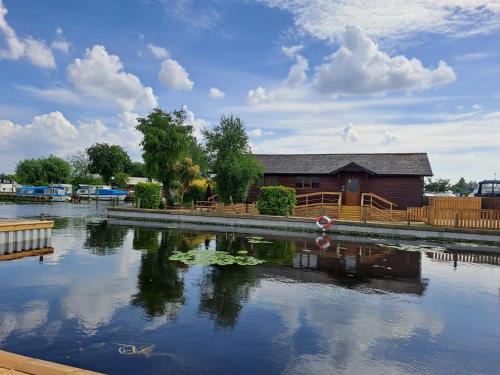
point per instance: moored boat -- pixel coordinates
(48, 193)
(104, 193)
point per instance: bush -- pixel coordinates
(148, 194)
(195, 192)
(276, 200)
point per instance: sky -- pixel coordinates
(306, 76)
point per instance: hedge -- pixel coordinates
(276, 200)
(148, 195)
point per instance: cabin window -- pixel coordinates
(496, 189)
(270, 180)
(315, 182)
(302, 182)
(486, 189)
(352, 185)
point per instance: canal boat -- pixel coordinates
(488, 188)
(47, 193)
(103, 193)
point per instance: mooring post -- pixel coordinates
(42, 216)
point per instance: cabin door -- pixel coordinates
(352, 191)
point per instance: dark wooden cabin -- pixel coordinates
(398, 178)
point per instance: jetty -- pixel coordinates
(21, 365)
(20, 237)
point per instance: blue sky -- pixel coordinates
(305, 75)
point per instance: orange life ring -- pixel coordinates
(323, 222)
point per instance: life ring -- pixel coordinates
(323, 222)
(323, 242)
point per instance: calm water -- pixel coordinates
(109, 300)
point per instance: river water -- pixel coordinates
(108, 299)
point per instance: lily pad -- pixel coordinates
(209, 257)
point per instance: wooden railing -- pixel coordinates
(375, 207)
(317, 204)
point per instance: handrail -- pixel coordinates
(376, 196)
(319, 193)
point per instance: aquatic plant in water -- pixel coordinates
(219, 258)
(257, 240)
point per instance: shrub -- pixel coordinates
(148, 194)
(276, 200)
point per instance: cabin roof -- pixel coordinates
(409, 164)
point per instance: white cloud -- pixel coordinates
(35, 50)
(158, 52)
(349, 134)
(389, 138)
(56, 95)
(359, 67)
(174, 76)
(258, 95)
(53, 133)
(60, 43)
(292, 51)
(259, 132)
(477, 107)
(392, 20)
(215, 93)
(297, 74)
(475, 56)
(198, 124)
(100, 75)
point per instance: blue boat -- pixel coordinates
(104, 193)
(49, 193)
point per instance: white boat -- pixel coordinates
(7, 185)
(48, 193)
(102, 193)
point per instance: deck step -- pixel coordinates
(350, 213)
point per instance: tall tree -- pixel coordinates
(136, 169)
(107, 160)
(166, 139)
(231, 160)
(50, 170)
(186, 172)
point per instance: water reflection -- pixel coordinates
(159, 282)
(103, 239)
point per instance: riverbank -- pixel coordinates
(369, 229)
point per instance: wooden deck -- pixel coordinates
(14, 364)
(10, 225)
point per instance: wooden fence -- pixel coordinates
(456, 218)
(459, 203)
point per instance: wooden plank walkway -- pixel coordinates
(14, 364)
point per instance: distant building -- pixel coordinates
(398, 178)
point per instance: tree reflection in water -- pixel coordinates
(160, 284)
(103, 238)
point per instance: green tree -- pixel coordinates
(80, 170)
(198, 154)
(107, 160)
(231, 159)
(136, 169)
(186, 172)
(50, 170)
(121, 180)
(166, 139)
(30, 171)
(461, 186)
(437, 186)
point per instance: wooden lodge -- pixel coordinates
(382, 181)
(398, 178)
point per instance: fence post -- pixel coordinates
(455, 221)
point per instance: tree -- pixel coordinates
(136, 169)
(198, 155)
(231, 160)
(437, 186)
(121, 180)
(166, 139)
(30, 171)
(50, 170)
(186, 172)
(56, 170)
(107, 160)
